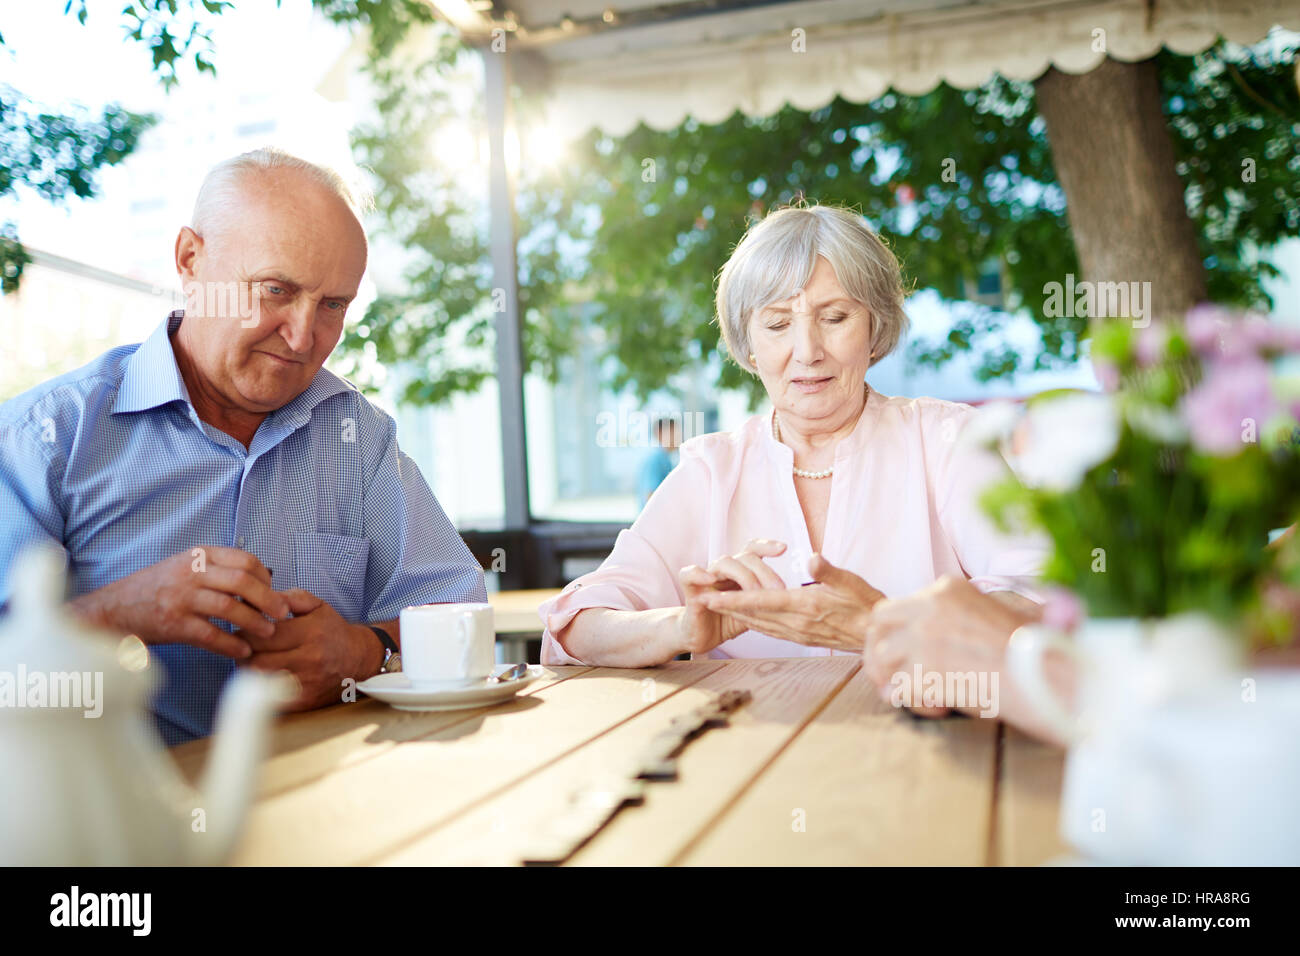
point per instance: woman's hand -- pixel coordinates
(833, 612)
(702, 628)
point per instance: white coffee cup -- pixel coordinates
(447, 645)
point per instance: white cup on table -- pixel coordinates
(447, 645)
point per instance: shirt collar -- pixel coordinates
(298, 411)
(153, 379)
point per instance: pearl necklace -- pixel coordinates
(799, 472)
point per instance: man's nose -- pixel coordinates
(297, 330)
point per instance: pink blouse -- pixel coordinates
(903, 511)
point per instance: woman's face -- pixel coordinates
(813, 349)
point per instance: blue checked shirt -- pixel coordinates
(112, 463)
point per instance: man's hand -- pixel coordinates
(948, 627)
(833, 613)
(702, 628)
(172, 601)
(320, 649)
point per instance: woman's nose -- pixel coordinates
(807, 342)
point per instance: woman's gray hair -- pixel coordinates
(777, 256)
(223, 181)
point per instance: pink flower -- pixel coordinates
(1285, 338)
(1062, 611)
(1214, 331)
(1205, 325)
(1230, 407)
(1107, 373)
(1149, 348)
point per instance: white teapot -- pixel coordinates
(86, 779)
(1180, 754)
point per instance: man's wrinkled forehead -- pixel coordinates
(285, 200)
(270, 228)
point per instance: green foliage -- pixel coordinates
(386, 21)
(955, 180)
(430, 200)
(56, 155)
(1234, 117)
(174, 31)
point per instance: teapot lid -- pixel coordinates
(49, 656)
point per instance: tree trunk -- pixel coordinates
(1115, 161)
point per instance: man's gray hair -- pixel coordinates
(777, 256)
(223, 180)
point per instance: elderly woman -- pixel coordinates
(858, 494)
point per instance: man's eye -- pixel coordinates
(336, 306)
(274, 289)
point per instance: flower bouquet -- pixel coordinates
(1173, 490)
(1160, 497)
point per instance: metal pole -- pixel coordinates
(505, 272)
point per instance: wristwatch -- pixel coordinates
(392, 657)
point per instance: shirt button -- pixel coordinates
(240, 542)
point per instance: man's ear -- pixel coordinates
(188, 246)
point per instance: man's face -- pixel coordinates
(267, 288)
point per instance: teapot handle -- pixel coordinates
(1025, 652)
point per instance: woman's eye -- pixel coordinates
(836, 317)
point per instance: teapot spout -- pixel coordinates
(239, 746)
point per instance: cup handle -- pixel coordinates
(1025, 653)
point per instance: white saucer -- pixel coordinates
(396, 689)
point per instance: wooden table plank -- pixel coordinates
(515, 612)
(714, 766)
(369, 810)
(870, 785)
(308, 746)
(718, 766)
(1029, 802)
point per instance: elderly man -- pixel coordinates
(217, 473)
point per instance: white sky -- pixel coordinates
(257, 47)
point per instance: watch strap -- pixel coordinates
(392, 657)
(385, 638)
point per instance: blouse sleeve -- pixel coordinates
(641, 572)
(992, 559)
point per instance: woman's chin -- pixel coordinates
(814, 403)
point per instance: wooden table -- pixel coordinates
(816, 769)
(515, 614)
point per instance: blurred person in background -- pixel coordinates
(660, 461)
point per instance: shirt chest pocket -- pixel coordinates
(333, 567)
